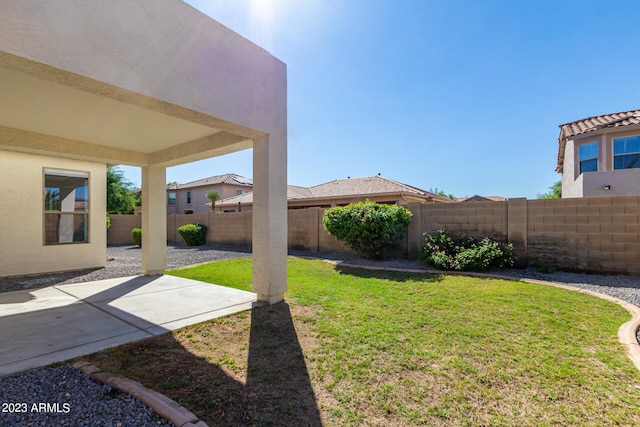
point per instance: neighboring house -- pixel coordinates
(193, 195)
(342, 192)
(146, 83)
(477, 198)
(600, 156)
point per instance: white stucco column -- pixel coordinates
(270, 218)
(154, 220)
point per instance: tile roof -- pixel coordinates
(229, 178)
(478, 198)
(370, 185)
(589, 124)
(293, 192)
(364, 186)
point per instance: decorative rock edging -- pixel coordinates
(627, 333)
(161, 404)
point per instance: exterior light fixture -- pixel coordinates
(606, 188)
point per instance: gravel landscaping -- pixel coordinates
(63, 396)
(88, 399)
(125, 261)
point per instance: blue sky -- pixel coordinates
(462, 96)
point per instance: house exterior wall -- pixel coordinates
(591, 184)
(221, 74)
(22, 227)
(164, 104)
(199, 197)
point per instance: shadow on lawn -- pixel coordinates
(277, 390)
(396, 276)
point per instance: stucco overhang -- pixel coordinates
(138, 82)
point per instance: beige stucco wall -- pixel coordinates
(199, 197)
(151, 83)
(592, 184)
(163, 49)
(22, 250)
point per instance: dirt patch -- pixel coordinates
(246, 369)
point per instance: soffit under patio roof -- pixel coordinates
(49, 108)
(144, 83)
(43, 116)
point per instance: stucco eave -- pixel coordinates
(191, 151)
(35, 143)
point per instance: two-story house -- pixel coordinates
(600, 156)
(193, 195)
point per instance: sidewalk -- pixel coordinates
(53, 324)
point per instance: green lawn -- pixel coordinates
(380, 348)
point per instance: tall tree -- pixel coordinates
(555, 192)
(120, 198)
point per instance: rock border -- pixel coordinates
(161, 404)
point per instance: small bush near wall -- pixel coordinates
(369, 228)
(136, 236)
(193, 234)
(188, 211)
(543, 266)
(447, 251)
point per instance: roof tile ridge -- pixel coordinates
(635, 113)
(420, 190)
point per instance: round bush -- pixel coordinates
(447, 251)
(371, 229)
(136, 236)
(193, 234)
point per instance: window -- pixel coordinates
(171, 198)
(66, 207)
(240, 192)
(188, 197)
(588, 157)
(626, 152)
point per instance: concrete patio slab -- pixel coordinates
(54, 324)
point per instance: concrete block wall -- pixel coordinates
(597, 234)
(230, 229)
(303, 229)
(121, 226)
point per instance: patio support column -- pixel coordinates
(270, 218)
(154, 220)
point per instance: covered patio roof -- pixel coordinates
(149, 83)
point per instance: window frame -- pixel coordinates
(188, 197)
(85, 213)
(626, 153)
(174, 198)
(588, 159)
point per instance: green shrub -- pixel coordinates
(136, 236)
(188, 211)
(108, 223)
(369, 228)
(544, 266)
(193, 234)
(448, 251)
